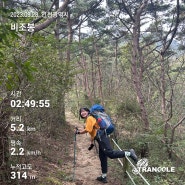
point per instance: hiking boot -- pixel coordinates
(133, 155)
(102, 179)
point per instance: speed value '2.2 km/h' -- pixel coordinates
(30, 103)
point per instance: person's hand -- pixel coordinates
(77, 131)
(90, 147)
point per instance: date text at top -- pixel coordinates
(37, 14)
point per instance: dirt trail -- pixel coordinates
(87, 162)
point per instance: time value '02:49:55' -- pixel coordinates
(29, 103)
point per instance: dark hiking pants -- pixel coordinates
(105, 150)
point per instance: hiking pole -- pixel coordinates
(96, 147)
(74, 165)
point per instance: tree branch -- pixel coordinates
(180, 121)
(174, 30)
(127, 11)
(40, 18)
(173, 129)
(49, 21)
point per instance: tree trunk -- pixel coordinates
(99, 85)
(4, 145)
(61, 98)
(137, 64)
(167, 42)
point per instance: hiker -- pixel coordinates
(105, 149)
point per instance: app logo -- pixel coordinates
(143, 166)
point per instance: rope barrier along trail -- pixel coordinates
(131, 165)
